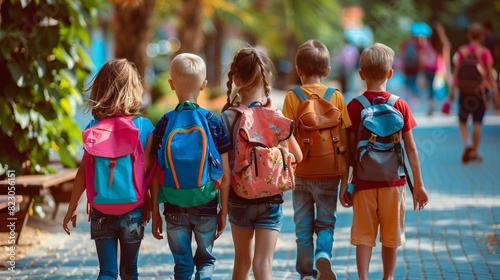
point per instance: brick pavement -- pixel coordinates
(455, 237)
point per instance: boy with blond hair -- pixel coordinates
(315, 195)
(190, 209)
(380, 204)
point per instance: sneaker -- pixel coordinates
(308, 278)
(324, 268)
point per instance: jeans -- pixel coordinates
(253, 216)
(180, 228)
(309, 220)
(107, 230)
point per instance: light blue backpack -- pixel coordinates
(379, 153)
(189, 161)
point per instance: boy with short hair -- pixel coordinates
(312, 64)
(381, 204)
(188, 78)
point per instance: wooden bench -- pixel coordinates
(31, 186)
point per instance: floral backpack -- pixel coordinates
(261, 163)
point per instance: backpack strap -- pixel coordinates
(329, 93)
(300, 94)
(392, 100)
(363, 100)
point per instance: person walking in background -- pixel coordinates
(255, 223)
(188, 143)
(473, 77)
(116, 92)
(380, 202)
(315, 194)
(436, 61)
(346, 60)
(411, 60)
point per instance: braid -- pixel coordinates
(229, 85)
(264, 76)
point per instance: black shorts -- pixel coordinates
(472, 104)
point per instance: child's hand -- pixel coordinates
(420, 198)
(157, 226)
(69, 217)
(221, 224)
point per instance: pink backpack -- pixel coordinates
(114, 165)
(263, 165)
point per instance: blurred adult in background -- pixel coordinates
(436, 61)
(346, 60)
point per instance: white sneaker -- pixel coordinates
(324, 268)
(308, 278)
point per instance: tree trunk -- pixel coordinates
(132, 29)
(191, 28)
(213, 52)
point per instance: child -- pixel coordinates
(116, 90)
(383, 203)
(312, 63)
(473, 101)
(188, 72)
(250, 71)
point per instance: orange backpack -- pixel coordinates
(318, 133)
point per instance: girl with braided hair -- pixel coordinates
(251, 72)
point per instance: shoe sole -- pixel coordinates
(325, 269)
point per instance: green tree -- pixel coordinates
(43, 61)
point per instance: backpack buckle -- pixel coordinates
(373, 138)
(306, 141)
(335, 139)
(395, 138)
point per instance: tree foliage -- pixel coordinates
(43, 61)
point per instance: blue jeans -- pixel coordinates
(253, 216)
(180, 228)
(310, 219)
(411, 84)
(107, 230)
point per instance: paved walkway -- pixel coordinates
(455, 237)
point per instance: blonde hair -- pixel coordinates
(312, 58)
(253, 68)
(376, 61)
(188, 71)
(116, 89)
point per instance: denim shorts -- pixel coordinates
(252, 216)
(127, 227)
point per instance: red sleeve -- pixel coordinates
(354, 109)
(403, 107)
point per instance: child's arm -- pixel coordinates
(351, 146)
(344, 178)
(150, 160)
(420, 198)
(224, 193)
(156, 225)
(76, 195)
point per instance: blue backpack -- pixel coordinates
(379, 153)
(411, 58)
(189, 161)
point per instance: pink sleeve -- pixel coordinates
(486, 57)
